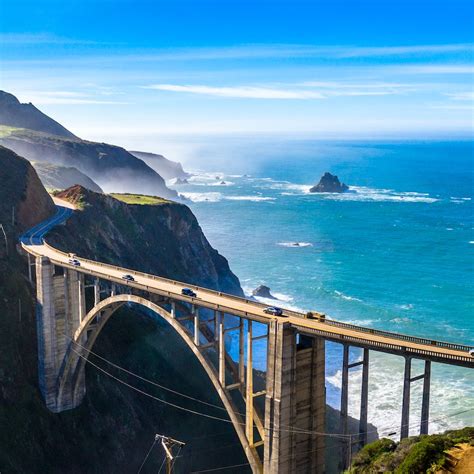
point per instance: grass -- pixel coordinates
(6, 131)
(139, 199)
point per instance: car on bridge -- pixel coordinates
(74, 261)
(274, 311)
(471, 352)
(128, 277)
(188, 292)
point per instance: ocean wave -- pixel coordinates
(346, 297)
(295, 244)
(203, 197)
(249, 198)
(362, 193)
(216, 197)
(222, 183)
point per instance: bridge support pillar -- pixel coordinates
(405, 428)
(425, 403)
(61, 305)
(296, 398)
(364, 399)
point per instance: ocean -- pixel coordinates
(393, 253)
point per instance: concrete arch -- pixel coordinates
(71, 387)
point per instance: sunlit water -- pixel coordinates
(395, 253)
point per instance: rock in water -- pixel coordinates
(263, 291)
(329, 183)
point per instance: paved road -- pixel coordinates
(379, 340)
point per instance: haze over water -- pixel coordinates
(394, 253)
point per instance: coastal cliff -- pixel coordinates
(163, 238)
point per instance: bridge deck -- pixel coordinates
(399, 344)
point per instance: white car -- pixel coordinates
(74, 261)
(471, 352)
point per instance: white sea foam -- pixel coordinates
(362, 193)
(222, 183)
(471, 241)
(249, 198)
(295, 244)
(346, 297)
(203, 197)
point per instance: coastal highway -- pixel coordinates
(450, 353)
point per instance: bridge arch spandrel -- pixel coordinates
(72, 374)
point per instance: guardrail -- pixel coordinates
(329, 322)
(402, 350)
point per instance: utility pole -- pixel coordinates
(6, 240)
(168, 445)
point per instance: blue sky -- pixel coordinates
(116, 69)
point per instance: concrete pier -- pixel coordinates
(295, 403)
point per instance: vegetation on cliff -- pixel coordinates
(417, 454)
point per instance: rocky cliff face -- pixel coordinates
(15, 114)
(163, 239)
(23, 195)
(166, 168)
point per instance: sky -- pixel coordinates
(117, 70)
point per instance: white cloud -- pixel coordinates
(433, 69)
(243, 92)
(62, 98)
(264, 92)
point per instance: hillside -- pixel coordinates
(439, 453)
(15, 114)
(62, 177)
(111, 167)
(166, 168)
(37, 137)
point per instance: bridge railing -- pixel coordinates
(330, 322)
(384, 346)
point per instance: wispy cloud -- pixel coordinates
(239, 91)
(63, 98)
(283, 93)
(39, 39)
(466, 95)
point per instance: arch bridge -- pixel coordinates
(279, 429)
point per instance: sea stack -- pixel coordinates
(263, 291)
(329, 183)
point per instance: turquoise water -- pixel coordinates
(395, 253)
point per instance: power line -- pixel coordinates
(293, 430)
(147, 454)
(150, 381)
(220, 468)
(150, 395)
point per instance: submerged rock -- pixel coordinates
(263, 291)
(329, 183)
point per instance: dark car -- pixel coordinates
(274, 311)
(74, 261)
(128, 277)
(188, 292)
